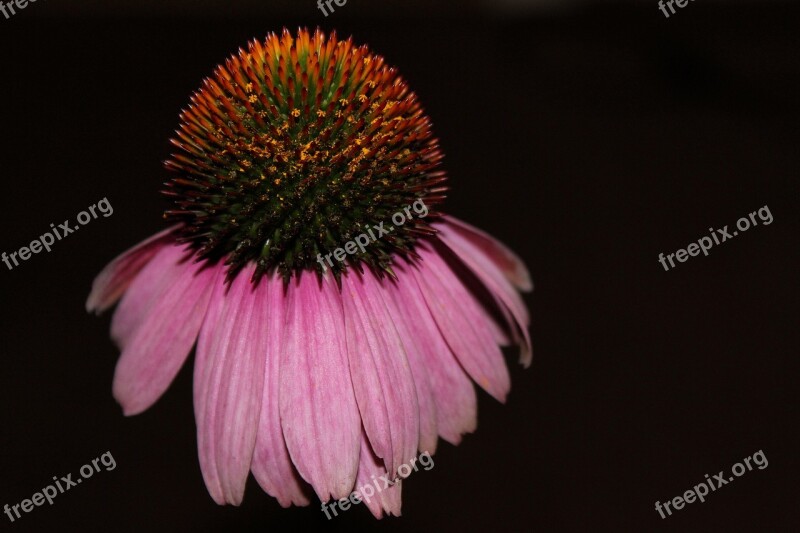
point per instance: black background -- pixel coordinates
(590, 140)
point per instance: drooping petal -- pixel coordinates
(499, 333)
(229, 407)
(163, 271)
(210, 342)
(159, 347)
(319, 414)
(453, 392)
(506, 260)
(382, 378)
(115, 278)
(506, 296)
(272, 466)
(428, 433)
(462, 323)
(372, 473)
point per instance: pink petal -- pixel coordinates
(494, 280)
(272, 466)
(205, 373)
(319, 414)
(370, 471)
(499, 334)
(417, 355)
(229, 404)
(162, 272)
(506, 260)
(114, 279)
(160, 345)
(462, 323)
(382, 377)
(453, 393)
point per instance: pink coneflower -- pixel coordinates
(308, 375)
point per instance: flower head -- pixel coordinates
(309, 378)
(293, 147)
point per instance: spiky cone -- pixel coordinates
(313, 374)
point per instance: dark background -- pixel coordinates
(590, 139)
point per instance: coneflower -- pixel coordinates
(304, 374)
